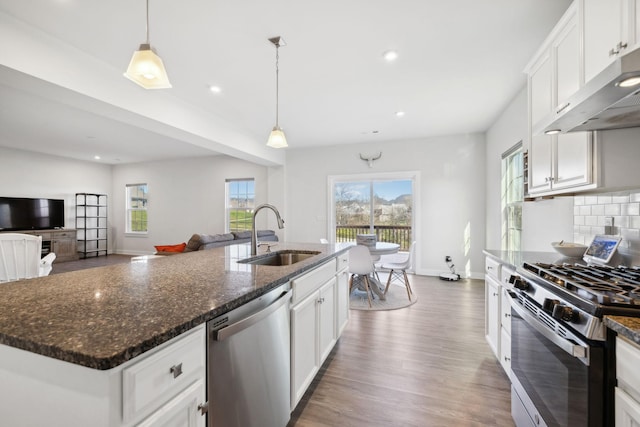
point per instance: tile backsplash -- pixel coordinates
(591, 214)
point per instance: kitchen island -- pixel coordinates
(92, 325)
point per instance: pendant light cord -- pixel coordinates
(148, 23)
(277, 81)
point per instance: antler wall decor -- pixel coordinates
(370, 159)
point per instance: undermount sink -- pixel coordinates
(279, 258)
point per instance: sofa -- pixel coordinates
(200, 242)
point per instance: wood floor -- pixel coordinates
(426, 365)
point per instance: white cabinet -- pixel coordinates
(627, 393)
(564, 162)
(181, 411)
(492, 304)
(505, 318)
(142, 391)
(163, 375)
(319, 312)
(342, 293)
(498, 311)
(606, 34)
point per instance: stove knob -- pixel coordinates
(549, 304)
(518, 283)
(562, 312)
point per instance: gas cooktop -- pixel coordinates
(603, 285)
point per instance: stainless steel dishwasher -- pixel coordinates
(248, 364)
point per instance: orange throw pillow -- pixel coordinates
(171, 248)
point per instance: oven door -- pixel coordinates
(555, 374)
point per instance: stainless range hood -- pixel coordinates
(601, 103)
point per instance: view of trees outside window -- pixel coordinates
(240, 203)
(137, 198)
(512, 198)
(383, 208)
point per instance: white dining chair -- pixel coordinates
(20, 257)
(361, 265)
(398, 270)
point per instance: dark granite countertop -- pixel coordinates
(628, 327)
(102, 317)
(516, 258)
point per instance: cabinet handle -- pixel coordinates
(489, 268)
(613, 52)
(495, 294)
(507, 315)
(203, 408)
(176, 370)
(507, 359)
(562, 108)
(621, 46)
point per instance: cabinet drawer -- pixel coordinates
(304, 285)
(492, 268)
(153, 381)
(45, 235)
(627, 362)
(343, 260)
(64, 235)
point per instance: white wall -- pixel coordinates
(27, 174)
(542, 221)
(452, 212)
(186, 196)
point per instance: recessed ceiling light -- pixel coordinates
(96, 157)
(215, 89)
(399, 113)
(390, 55)
(552, 131)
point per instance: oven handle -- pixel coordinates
(575, 350)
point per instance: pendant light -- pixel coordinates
(146, 67)
(276, 137)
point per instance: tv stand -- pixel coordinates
(60, 241)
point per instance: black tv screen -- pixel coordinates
(17, 213)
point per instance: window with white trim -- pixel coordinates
(137, 200)
(239, 203)
(512, 197)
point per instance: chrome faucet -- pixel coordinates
(254, 232)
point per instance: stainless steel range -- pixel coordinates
(562, 363)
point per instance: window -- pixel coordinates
(512, 197)
(137, 198)
(382, 205)
(240, 203)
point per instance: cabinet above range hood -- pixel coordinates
(602, 103)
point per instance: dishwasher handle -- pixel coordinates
(227, 331)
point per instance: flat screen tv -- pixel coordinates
(17, 213)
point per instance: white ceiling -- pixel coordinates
(460, 63)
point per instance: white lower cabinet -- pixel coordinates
(313, 335)
(627, 393)
(342, 293)
(181, 411)
(319, 313)
(162, 387)
(497, 321)
(492, 314)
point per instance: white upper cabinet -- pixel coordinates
(605, 34)
(558, 163)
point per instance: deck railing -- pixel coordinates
(400, 234)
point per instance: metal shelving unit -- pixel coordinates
(91, 224)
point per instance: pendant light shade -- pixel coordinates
(146, 68)
(277, 139)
